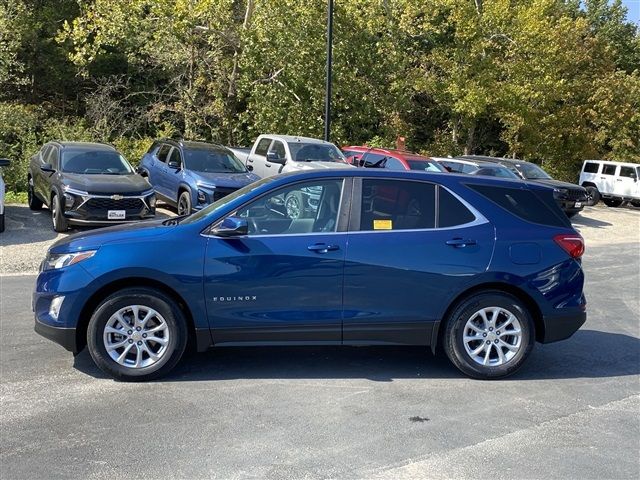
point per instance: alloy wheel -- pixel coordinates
(136, 336)
(492, 336)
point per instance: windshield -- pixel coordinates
(425, 166)
(311, 152)
(94, 162)
(212, 161)
(531, 171)
(226, 199)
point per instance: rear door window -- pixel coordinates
(608, 169)
(397, 205)
(627, 172)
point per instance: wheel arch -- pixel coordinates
(193, 340)
(520, 294)
(589, 184)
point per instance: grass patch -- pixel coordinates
(15, 197)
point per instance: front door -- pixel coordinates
(283, 281)
(626, 182)
(412, 246)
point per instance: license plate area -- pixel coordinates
(578, 204)
(116, 214)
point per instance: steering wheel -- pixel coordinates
(253, 226)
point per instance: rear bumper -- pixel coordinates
(60, 335)
(561, 327)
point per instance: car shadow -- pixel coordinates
(588, 354)
(581, 221)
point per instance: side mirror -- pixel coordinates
(232, 227)
(4, 162)
(250, 168)
(48, 168)
(174, 164)
(273, 157)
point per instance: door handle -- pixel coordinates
(267, 165)
(618, 179)
(322, 248)
(460, 243)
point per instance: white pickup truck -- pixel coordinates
(273, 154)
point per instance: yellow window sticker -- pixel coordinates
(382, 225)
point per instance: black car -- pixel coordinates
(87, 184)
(569, 196)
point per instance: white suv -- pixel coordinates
(3, 163)
(613, 182)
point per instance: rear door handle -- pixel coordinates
(459, 242)
(322, 248)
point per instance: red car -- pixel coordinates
(390, 159)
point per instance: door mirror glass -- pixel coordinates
(47, 167)
(232, 227)
(273, 157)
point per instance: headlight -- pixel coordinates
(560, 192)
(59, 260)
(202, 197)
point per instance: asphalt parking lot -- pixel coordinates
(573, 411)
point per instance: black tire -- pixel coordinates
(184, 203)
(612, 202)
(145, 297)
(34, 202)
(294, 205)
(593, 196)
(60, 223)
(454, 345)
(1, 222)
(635, 203)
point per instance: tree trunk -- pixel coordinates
(471, 139)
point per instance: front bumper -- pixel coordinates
(561, 326)
(60, 335)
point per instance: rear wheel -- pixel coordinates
(34, 202)
(489, 335)
(137, 334)
(593, 196)
(60, 223)
(612, 202)
(184, 203)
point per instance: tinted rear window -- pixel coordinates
(591, 167)
(525, 204)
(608, 169)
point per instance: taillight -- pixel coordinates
(573, 244)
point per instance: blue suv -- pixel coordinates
(483, 267)
(191, 175)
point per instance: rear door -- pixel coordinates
(626, 182)
(170, 178)
(412, 245)
(157, 168)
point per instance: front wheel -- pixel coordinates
(184, 203)
(34, 202)
(489, 335)
(593, 196)
(60, 223)
(137, 334)
(612, 202)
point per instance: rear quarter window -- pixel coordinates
(451, 211)
(535, 208)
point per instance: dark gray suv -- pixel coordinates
(87, 184)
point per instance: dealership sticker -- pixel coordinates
(382, 225)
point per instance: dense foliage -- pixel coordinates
(555, 81)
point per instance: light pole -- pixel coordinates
(327, 94)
